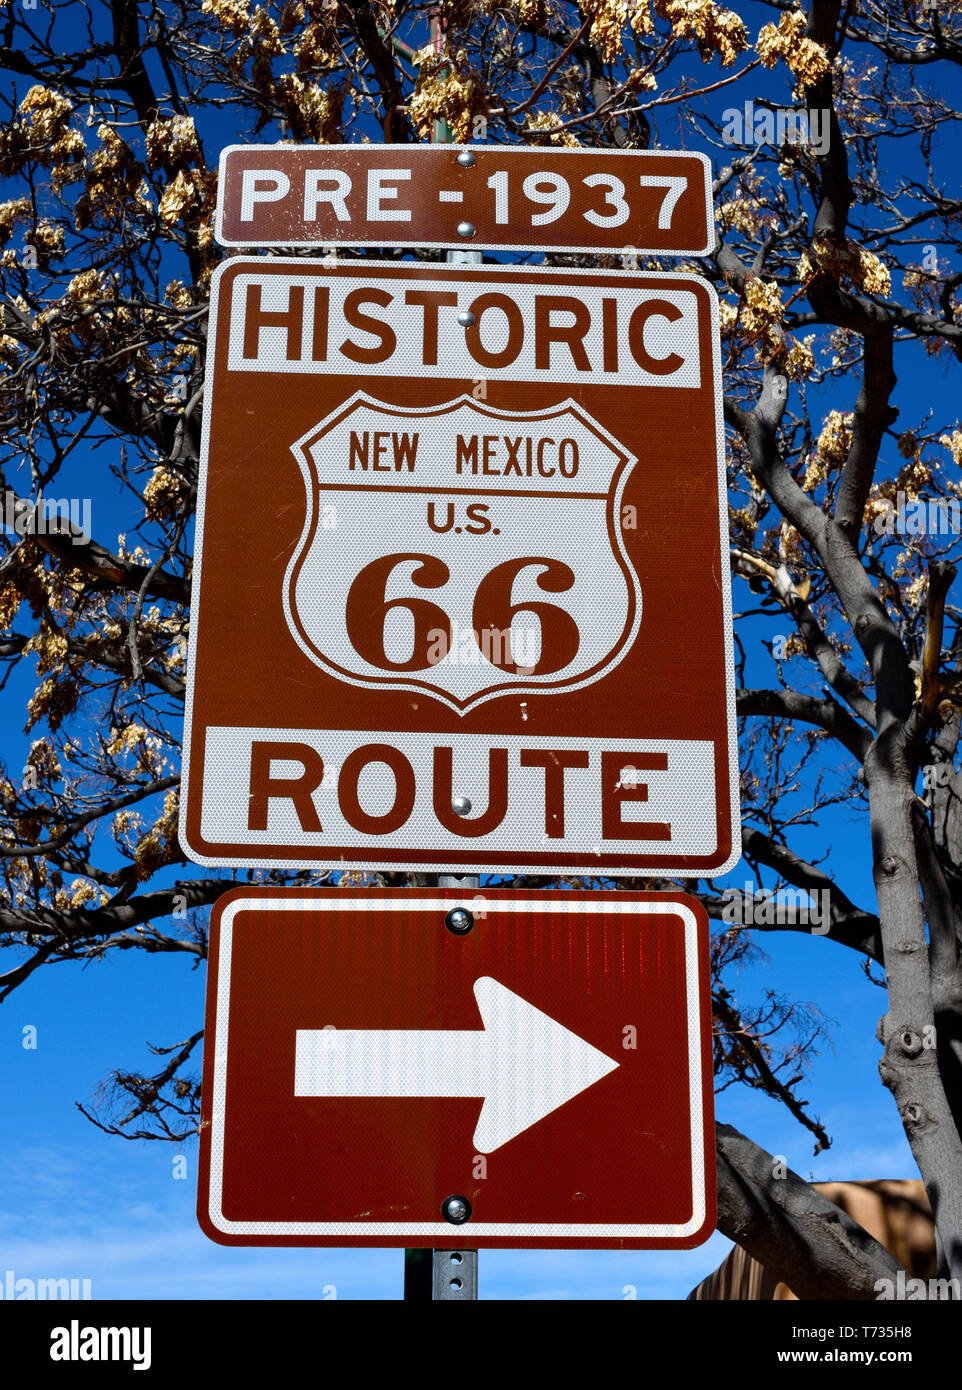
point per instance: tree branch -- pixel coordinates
(827, 714)
(850, 925)
(797, 1234)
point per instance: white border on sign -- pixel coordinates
(477, 244)
(465, 864)
(442, 1229)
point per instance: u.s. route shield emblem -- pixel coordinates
(462, 551)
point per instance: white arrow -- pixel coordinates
(523, 1063)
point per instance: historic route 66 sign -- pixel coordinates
(462, 540)
(500, 600)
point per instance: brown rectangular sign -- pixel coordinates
(461, 587)
(549, 1069)
(513, 197)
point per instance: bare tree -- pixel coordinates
(837, 257)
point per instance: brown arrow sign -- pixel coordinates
(551, 1066)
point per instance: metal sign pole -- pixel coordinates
(444, 1276)
(449, 1275)
(455, 1272)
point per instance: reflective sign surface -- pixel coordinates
(550, 1067)
(460, 546)
(513, 197)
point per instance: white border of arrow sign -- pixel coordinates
(441, 1229)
